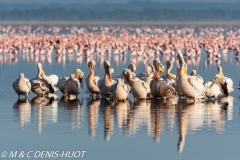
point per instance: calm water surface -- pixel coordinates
(131, 130)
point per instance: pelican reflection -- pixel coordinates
(140, 116)
(93, 112)
(75, 108)
(122, 114)
(108, 118)
(218, 111)
(46, 109)
(190, 117)
(162, 112)
(24, 108)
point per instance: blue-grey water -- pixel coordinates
(105, 130)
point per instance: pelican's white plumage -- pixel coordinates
(217, 88)
(92, 80)
(167, 89)
(78, 74)
(105, 85)
(139, 88)
(120, 90)
(228, 81)
(156, 83)
(43, 84)
(22, 86)
(51, 79)
(189, 86)
(72, 86)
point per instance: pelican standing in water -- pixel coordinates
(188, 86)
(221, 86)
(228, 81)
(43, 84)
(22, 86)
(139, 88)
(167, 89)
(120, 90)
(217, 88)
(92, 80)
(72, 86)
(156, 83)
(105, 85)
(78, 74)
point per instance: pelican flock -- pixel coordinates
(149, 85)
(150, 46)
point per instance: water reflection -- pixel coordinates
(217, 112)
(119, 60)
(93, 111)
(75, 108)
(106, 107)
(190, 117)
(24, 108)
(154, 117)
(46, 111)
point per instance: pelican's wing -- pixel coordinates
(126, 88)
(197, 85)
(146, 86)
(29, 85)
(96, 79)
(151, 83)
(99, 83)
(77, 83)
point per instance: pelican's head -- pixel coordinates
(21, 75)
(132, 67)
(220, 72)
(79, 75)
(194, 72)
(72, 76)
(107, 68)
(41, 71)
(39, 65)
(91, 64)
(161, 68)
(158, 66)
(168, 63)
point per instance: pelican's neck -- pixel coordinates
(20, 82)
(39, 73)
(92, 73)
(169, 68)
(157, 76)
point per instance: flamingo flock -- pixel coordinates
(143, 41)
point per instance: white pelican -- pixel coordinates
(43, 84)
(228, 81)
(157, 80)
(22, 86)
(52, 79)
(72, 86)
(220, 86)
(132, 68)
(198, 77)
(188, 86)
(92, 80)
(78, 74)
(105, 85)
(139, 88)
(217, 88)
(120, 90)
(167, 89)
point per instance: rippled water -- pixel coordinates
(131, 130)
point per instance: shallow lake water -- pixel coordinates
(170, 129)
